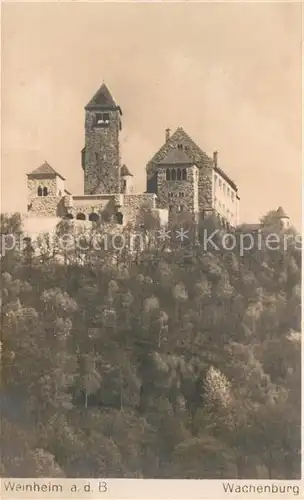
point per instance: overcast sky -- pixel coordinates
(229, 74)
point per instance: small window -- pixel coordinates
(93, 217)
(69, 216)
(232, 195)
(181, 195)
(102, 119)
(45, 191)
(96, 157)
(59, 194)
(220, 182)
(179, 174)
(184, 174)
(173, 174)
(215, 179)
(180, 147)
(181, 208)
(80, 216)
(39, 191)
(224, 188)
(168, 176)
(170, 195)
(228, 191)
(119, 218)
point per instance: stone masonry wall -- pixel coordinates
(102, 207)
(102, 157)
(42, 206)
(201, 160)
(134, 206)
(176, 193)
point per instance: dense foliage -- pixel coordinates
(158, 364)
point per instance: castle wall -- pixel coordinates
(101, 155)
(225, 199)
(205, 188)
(177, 194)
(134, 206)
(202, 161)
(43, 206)
(34, 183)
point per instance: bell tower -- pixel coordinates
(101, 155)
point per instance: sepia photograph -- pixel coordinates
(151, 244)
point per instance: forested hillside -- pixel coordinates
(163, 364)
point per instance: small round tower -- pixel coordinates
(284, 219)
(126, 180)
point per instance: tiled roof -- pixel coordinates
(176, 157)
(198, 156)
(45, 169)
(124, 171)
(226, 177)
(102, 100)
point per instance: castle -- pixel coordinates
(180, 178)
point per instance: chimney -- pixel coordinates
(167, 134)
(215, 156)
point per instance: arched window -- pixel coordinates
(93, 217)
(69, 216)
(119, 218)
(184, 174)
(39, 191)
(173, 174)
(45, 191)
(179, 174)
(80, 216)
(168, 177)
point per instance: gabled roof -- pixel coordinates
(197, 155)
(281, 213)
(194, 152)
(102, 99)
(44, 170)
(124, 171)
(176, 157)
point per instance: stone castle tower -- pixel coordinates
(109, 195)
(101, 155)
(181, 177)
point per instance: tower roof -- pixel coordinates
(103, 99)
(176, 157)
(124, 171)
(44, 170)
(281, 213)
